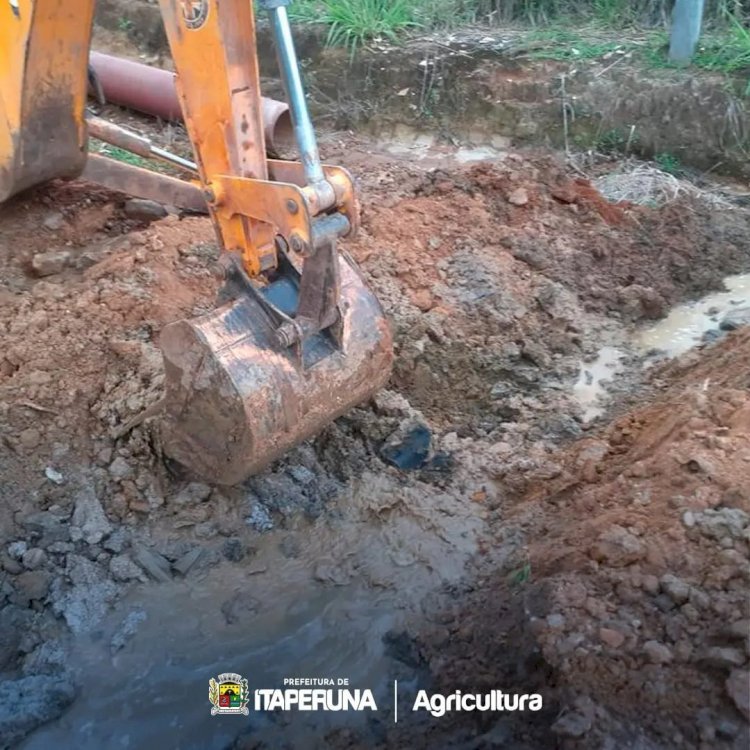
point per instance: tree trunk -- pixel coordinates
(686, 29)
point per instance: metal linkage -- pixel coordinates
(303, 128)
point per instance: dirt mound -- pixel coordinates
(503, 275)
(628, 607)
(498, 281)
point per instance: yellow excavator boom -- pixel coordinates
(302, 338)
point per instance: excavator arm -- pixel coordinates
(301, 338)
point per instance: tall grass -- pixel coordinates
(354, 22)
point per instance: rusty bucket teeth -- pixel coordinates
(236, 400)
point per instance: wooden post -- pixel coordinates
(687, 19)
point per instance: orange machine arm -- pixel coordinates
(255, 203)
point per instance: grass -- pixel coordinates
(120, 154)
(354, 23)
(560, 43)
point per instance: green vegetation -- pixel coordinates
(119, 154)
(521, 575)
(668, 163)
(560, 29)
(353, 22)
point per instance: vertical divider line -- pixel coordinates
(395, 701)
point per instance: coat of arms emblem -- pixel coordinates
(229, 694)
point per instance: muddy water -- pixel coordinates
(312, 602)
(589, 390)
(686, 324)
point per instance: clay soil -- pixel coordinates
(612, 569)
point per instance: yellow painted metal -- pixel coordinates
(44, 46)
(213, 48)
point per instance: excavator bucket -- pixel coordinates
(302, 338)
(298, 338)
(236, 400)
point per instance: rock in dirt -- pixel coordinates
(392, 404)
(53, 221)
(572, 724)
(735, 319)
(722, 657)
(518, 197)
(124, 569)
(259, 518)
(657, 653)
(16, 549)
(153, 563)
(717, 524)
(193, 494)
(140, 209)
(127, 630)
(188, 561)
(409, 446)
(120, 469)
(612, 638)
(301, 474)
(89, 521)
(33, 585)
(53, 475)
(47, 525)
(618, 547)
(116, 541)
(49, 657)
(675, 588)
(50, 263)
(14, 621)
(29, 438)
(34, 558)
(738, 689)
(86, 602)
(233, 549)
(28, 703)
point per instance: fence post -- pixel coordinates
(687, 18)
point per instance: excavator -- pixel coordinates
(297, 338)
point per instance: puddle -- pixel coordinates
(313, 603)
(155, 692)
(686, 324)
(589, 390)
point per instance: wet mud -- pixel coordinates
(475, 524)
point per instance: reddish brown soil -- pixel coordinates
(642, 539)
(497, 280)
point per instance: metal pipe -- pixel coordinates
(137, 144)
(153, 91)
(290, 74)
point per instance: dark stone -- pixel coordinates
(140, 209)
(403, 648)
(233, 549)
(735, 319)
(408, 449)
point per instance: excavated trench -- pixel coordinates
(506, 514)
(403, 542)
